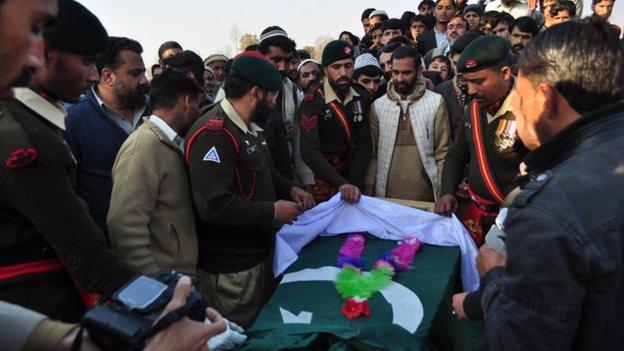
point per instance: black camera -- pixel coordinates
(129, 318)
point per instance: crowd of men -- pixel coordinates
(506, 114)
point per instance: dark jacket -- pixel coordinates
(426, 42)
(234, 192)
(563, 286)
(95, 141)
(453, 106)
(42, 219)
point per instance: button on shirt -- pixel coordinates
(169, 132)
(121, 121)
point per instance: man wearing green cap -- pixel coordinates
(487, 143)
(238, 192)
(50, 245)
(335, 136)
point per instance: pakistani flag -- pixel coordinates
(411, 313)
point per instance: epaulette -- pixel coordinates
(17, 150)
(214, 124)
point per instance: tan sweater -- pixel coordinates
(151, 222)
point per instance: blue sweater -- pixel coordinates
(95, 140)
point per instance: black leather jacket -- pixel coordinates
(563, 285)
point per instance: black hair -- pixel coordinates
(401, 39)
(446, 61)
(166, 46)
(526, 24)
(188, 62)
(353, 37)
(303, 55)
(452, 3)
(153, 68)
(426, 2)
(505, 18)
(366, 13)
(583, 59)
(392, 24)
(382, 17)
(252, 47)
(594, 2)
(490, 17)
(282, 42)
(376, 27)
(111, 57)
(169, 86)
(419, 18)
(236, 85)
(407, 52)
(565, 5)
(370, 71)
(406, 18)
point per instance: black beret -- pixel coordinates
(462, 42)
(76, 30)
(257, 68)
(482, 53)
(336, 50)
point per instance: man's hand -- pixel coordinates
(531, 4)
(86, 345)
(286, 211)
(458, 305)
(304, 199)
(186, 334)
(288, 126)
(445, 205)
(489, 258)
(350, 193)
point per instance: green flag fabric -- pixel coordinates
(414, 310)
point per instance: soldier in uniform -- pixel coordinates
(335, 136)
(237, 191)
(49, 244)
(487, 144)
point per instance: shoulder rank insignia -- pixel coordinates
(20, 158)
(212, 155)
(214, 124)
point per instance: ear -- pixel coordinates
(506, 72)
(419, 70)
(548, 96)
(187, 101)
(107, 76)
(49, 54)
(255, 93)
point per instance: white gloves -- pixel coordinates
(229, 339)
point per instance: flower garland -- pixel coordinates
(356, 287)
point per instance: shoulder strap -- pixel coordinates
(482, 159)
(214, 125)
(342, 119)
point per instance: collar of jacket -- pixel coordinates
(417, 93)
(330, 94)
(590, 129)
(53, 113)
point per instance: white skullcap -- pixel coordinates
(306, 61)
(366, 59)
(378, 13)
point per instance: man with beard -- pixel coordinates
(487, 145)
(335, 138)
(436, 36)
(602, 9)
(555, 281)
(99, 124)
(367, 39)
(283, 135)
(523, 31)
(456, 27)
(51, 247)
(237, 192)
(411, 133)
(309, 74)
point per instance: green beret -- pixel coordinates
(484, 52)
(255, 67)
(336, 50)
(76, 30)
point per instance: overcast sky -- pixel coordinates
(205, 26)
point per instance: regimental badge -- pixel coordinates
(328, 114)
(505, 134)
(212, 155)
(357, 111)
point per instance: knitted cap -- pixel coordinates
(273, 31)
(366, 59)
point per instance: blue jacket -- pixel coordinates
(94, 140)
(563, 285)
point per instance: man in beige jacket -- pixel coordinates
(411, 134)
(150, 220)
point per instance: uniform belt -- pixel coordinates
(482, 203)
(9, 272)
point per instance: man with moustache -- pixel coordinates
(335, 137)
(522, 32)
(238, 194)
(436, 36)
(51, 247)
(99, 124)
(309, 74)
(487, 144)
(411, 133)
(555, 280)
(456, 27)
